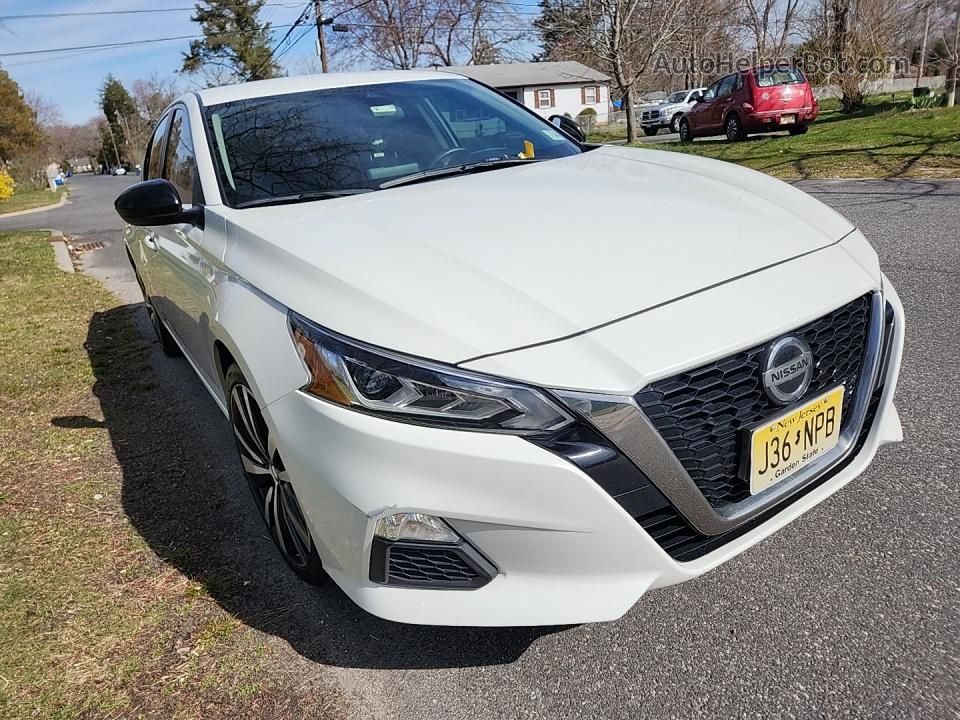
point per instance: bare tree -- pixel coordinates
(625, 36)
(769, 25)
(48, 112)
(704, 34)
(474, 32)
(411, 33)
(393, 33)
(150, 97)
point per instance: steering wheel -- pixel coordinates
(443, 159)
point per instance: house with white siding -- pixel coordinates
(547, 88)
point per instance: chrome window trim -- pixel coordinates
(627, 427)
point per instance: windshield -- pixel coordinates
(355, 138)
(677, 97)
(779, 76)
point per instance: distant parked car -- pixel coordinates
(752, 101)
(119, 171)
(668, 112)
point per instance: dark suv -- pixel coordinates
(752, 101)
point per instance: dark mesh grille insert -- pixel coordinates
(700, 413)
(683, 543)
(433, 566)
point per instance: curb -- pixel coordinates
(61, 255)
(44, 208)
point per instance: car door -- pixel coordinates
(182, 276)
(699, 116)
(720, 104)
(142, 240)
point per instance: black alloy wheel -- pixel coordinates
(734, 128)
(269, 481)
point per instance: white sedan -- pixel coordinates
(463, 385)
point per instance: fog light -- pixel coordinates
(415, 526)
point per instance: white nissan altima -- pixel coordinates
(480, 372)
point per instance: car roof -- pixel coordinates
(302, 83)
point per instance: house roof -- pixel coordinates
(526, 74)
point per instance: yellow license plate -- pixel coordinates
(789, 442)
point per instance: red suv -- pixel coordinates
(752, 101)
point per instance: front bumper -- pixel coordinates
(564, 550)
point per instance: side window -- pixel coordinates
(711, 92)
(738, 83)
(726, 85)
(151, 162)
(180, 164)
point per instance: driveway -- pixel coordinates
(850, 611)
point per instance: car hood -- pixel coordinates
(481, 264)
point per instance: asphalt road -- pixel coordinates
(850, 611)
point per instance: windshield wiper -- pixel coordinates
(454, 170)
(302, 197)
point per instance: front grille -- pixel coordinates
(701, 413)
(683, 543)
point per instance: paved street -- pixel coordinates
(851, 611)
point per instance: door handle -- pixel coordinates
(150, 240)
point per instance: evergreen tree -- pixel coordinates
(235, 44)
(118, 107)
(555, 26)
(19, 132)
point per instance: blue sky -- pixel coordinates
(71, 80)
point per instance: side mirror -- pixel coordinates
(155, 202)
(569, 128)
(696, 98)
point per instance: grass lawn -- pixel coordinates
(881, 141)
(29, 199)
(93, 622)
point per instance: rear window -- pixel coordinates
(779, 76)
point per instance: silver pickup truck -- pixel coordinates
(668, 112)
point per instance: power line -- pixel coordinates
(109, 46)
(87, 13)
(302, 18)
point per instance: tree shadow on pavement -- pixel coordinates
(183, 491)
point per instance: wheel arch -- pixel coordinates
(726, 117)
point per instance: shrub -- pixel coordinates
(6, 185)
(587, 112)
(922, 102)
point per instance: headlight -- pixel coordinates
(383, 383)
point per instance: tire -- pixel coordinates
(268, 481)
(650, 131)
(734, 128)
(167, 344)
(675, 123)
(799, 129)
(686, 134)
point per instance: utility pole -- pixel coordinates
(923, 49)
(116, 152)
(321, 34)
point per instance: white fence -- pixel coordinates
(880, 87)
